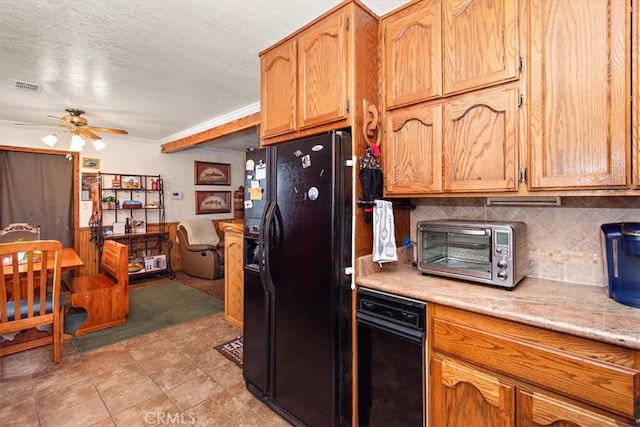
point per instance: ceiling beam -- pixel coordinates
(208, 135)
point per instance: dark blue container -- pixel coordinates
(621, 244)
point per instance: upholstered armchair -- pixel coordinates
(202, 254)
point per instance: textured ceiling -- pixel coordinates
(160, 69)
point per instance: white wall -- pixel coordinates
(128, 155)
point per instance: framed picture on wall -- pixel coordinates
(90, 163)
(208, 202)
(206, 173)
(88, 180)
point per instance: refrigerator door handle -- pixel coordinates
(265, 241)
(262, 244)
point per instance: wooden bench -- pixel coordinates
(104, 296)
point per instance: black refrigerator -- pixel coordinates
(297, 278)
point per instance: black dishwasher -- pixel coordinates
(391, 377)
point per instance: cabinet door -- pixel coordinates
(635, 84)
(413, 57)
(579, 98)
(481, 141)
(480, 43)
(233, 278)
(464, 395)
(278, 90)
(536, 409)
(412, 150)
(323, 71)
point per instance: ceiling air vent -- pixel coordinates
(28, 87)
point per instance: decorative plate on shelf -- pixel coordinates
(135, 267)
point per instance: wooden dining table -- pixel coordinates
(70, 262)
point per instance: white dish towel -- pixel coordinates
(384, 241)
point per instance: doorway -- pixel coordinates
(39, 187)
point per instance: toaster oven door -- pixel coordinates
(456, 252)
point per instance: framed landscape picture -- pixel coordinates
(90, 163)
(206, 173)
(130, 182)
(208, 202)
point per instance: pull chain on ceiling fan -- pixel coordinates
(78, 131)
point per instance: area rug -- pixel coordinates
(152, 308)
(232, 350)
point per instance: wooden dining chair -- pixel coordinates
(30, 292)
(18, 232)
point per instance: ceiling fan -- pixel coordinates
(78, 130)
(76, 123)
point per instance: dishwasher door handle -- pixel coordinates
(412, 334)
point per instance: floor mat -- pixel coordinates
(232, 350)
(150, 309)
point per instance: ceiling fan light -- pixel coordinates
(50, 140)
(77, 143)
(98, 144)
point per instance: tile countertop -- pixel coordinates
(576, 309)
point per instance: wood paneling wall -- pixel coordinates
(88, 251)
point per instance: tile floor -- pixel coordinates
(169, 377)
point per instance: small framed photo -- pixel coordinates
(208, 202)
(88, 181)
(130, 182)
(206, 173)
(90, 163)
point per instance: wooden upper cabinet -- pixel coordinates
(462, 393)
(323, 71)
(635, 84)
(278, 96)
(413, 150)
(480, 151)
(578, 102)
(413, 56)
(480, 43)
(321, 77)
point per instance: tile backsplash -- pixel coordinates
(564, 242)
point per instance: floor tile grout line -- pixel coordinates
(95, 386)
(33, 388)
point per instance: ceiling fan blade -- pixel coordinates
(85, 132)
(38, 125)
(106, 130)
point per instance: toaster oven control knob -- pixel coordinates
(502, 275)
(502, 264)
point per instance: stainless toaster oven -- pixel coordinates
(488, 252)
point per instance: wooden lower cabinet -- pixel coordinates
(486, 371)
(233, 274)
(463, 396)
(539, 409)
